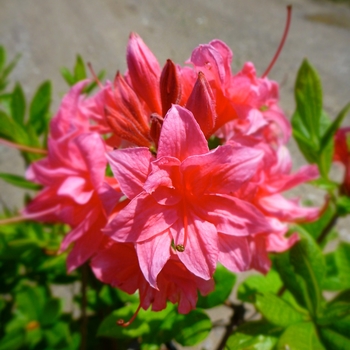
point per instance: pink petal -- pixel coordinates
(153, 254)
(199, 238)
(93, 154)
(181, 135)
(131, 167)
(117, 265)
(140, 220)
(287, 210)
(260, 259)
(73, 187)
(231, 215)
(234, 253)
(144, 72)
(223, 170)
(86, 245)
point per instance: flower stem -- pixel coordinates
(23, 147)
(283, 40)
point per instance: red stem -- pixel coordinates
(284, 37)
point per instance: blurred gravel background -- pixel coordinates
(49, 34)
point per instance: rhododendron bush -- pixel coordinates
(154, 191)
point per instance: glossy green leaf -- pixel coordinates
(30, 301)
(19, 181)
(308, 96)
(300, 336)
(39, 108)
(308, 262)
(341, 326)
(6, 71)
(277, 311)
(195, 327)
(343, 205)
(68, 77)
(79, 69)
(259, 284)
(257, 335)
(58, 335)
(224, 282)
(18, 104)
(333, 340)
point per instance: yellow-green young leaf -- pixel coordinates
(39, 108)
(13, 340)
(67, 76)
(18, 104)
(333, 340)
(277, 311)
(79, 69)
(300, 336)
(2, 57)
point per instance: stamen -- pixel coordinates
(122, 323)
(23, 147)
(279, 49)
(13, 220)
(94, 75)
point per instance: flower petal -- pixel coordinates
(234, 253)
(223, 170)
(140, 220)
(199, 238)
(231, 215)
(181, 135)
(131, 167)
(153, 254)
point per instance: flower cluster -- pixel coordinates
(175, 207)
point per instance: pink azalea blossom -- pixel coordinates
(342, 154)
(117, 264)
(73, 179)
(181, 201)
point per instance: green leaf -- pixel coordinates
(67, 75)
(308, 96)
(277, 311)
(13, 340)
(343, 205)
(39, 108)
(6, 71)
(30, 301)
(341, 326)
(257, 335)
(333, 340)
(18, 104)
(300, 336)
(195, 327)
(224, 282)
(79, 69)
(259, 284)
(308, 262)
(2, 57)
(50, 312)
(57, 335)
(109, 327)
(333, 312)
(19, 181)
(332, 129)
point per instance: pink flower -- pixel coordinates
(117, 264)
(181, 202)
(342, 154)
(73, 178)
